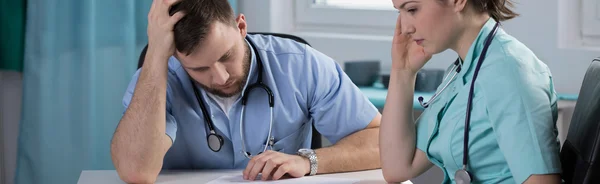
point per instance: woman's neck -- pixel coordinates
(469, 34)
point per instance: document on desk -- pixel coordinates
(312, 179)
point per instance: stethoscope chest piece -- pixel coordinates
(215, 142)
(462, 177)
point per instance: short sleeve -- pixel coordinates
(422, 134)
(337, 106)
(171, 124)
(521, 106)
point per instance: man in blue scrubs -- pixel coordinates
(204, 46)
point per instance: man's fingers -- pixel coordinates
(163, 6)
(249, 167)
(259, 164)
(282, 170)
(272, 164)
(151, 13)
(269, 166)
(176, 17)
(255, 170)
(254, 160)
(153, 5)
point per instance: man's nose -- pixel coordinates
(220, 75)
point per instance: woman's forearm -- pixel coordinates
(398, 134)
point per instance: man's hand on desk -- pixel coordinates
(274, 165)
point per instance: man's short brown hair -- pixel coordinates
(192, 29)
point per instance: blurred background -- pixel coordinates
(65, 65)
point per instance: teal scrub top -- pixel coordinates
(512, 132)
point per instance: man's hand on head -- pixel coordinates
(160, 28)
(274, 165)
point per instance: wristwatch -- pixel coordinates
(312, 157)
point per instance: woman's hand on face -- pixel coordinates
(407, 55)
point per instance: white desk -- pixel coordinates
(195, 177)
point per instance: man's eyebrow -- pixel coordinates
(223, 57)
(404, 4)
(226, 55)
(198, 68)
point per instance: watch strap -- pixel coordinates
(313, 163)
(311, 155)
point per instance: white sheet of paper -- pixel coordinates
(312, 179)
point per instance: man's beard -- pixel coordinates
(239, 85)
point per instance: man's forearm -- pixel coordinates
(139, 143)
(359, 151)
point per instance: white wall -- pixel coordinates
(537, 27)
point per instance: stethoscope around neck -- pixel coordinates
(215, 141)
(462, 176)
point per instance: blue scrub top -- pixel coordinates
(309, 87)
(512, 133)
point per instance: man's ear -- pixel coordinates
(459, 5)
(241, 25)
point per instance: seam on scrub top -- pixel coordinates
(280, 53)
(269, 43)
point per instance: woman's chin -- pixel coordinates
(432, 50)
(428, 50)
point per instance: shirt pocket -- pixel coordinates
(291, 143)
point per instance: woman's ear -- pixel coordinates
(459, 5)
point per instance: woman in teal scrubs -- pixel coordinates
(511, 135)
